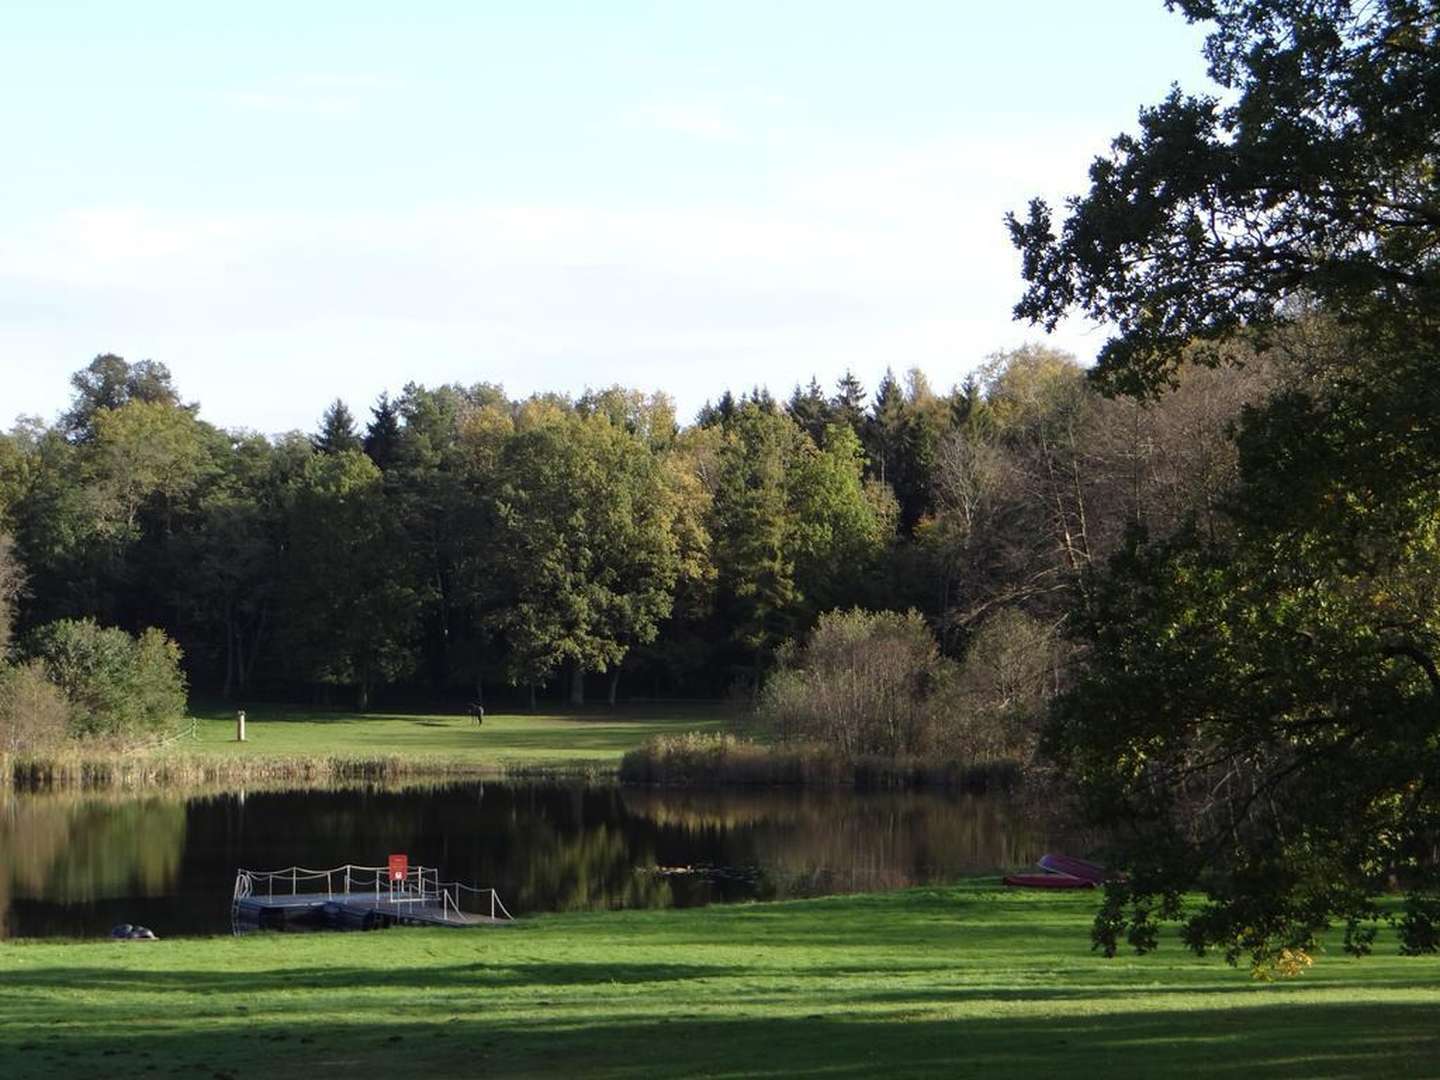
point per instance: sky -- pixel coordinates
(288, 202)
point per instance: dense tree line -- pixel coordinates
(461, 542)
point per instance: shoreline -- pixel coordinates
(689, 746)
(100, 773)
(105, 773)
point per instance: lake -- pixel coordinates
(74, 864)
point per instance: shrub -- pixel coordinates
(115, 684)
(158, 686)
(866, 683)
(34, 714)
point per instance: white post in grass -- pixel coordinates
(240, 726)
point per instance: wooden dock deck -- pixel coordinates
(358, 898)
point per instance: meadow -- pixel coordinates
(969, 980)
(308, 745)
(597, 735)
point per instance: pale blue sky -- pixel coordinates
(286, 202)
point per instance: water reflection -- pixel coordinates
(76, 864)
(805, 843)
(86, 850)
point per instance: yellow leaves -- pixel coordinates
(483, 432)
(1285, 964)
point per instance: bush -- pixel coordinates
(115, 684)
(34, 714)
(866, 683)
(159, 686)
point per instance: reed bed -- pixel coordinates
(723, 758)
(691, 758)
(90, 769)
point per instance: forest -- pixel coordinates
(460, 543)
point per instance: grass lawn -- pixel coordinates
(962, 981)
(595, 736)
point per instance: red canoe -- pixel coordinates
(1065, 864)
(1048, 881)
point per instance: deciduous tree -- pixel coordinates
(1258, 716)
(585, 544)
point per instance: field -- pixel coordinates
(309, 746)
(594, 736)
(962, 981)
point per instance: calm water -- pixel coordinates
(75, 865)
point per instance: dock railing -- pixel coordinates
(493, 897)
(420, 885)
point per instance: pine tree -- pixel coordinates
(720, 414)
(810, 410)
(848, 404)
(761, 396)
(883, 427)
(337, 430)
(382, 436)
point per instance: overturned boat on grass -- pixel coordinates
(1061, 872)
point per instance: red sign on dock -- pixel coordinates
(399, 867)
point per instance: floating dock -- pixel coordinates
(354, 897)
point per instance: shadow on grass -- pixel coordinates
(1312, 1040)
(30, 996)
(479, 975)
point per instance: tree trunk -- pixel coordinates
(577, 684)
(242, 672)
(247, 667)
(229, 653)
(614, 684)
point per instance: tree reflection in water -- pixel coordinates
(809, 842)
(78, 849)
(75, 864)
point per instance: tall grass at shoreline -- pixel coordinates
(90, 769)
(635, 746)
(307, 747)
(723, 758)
